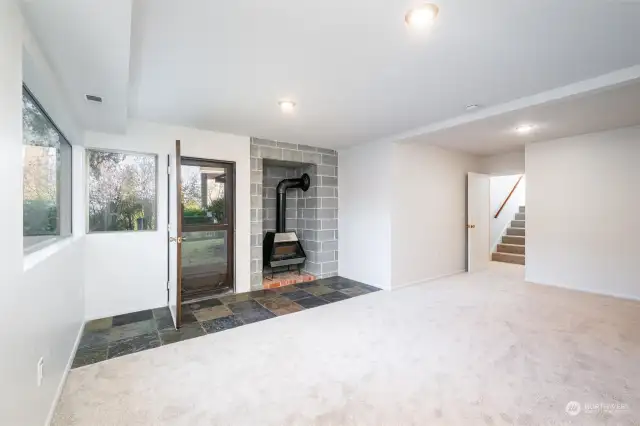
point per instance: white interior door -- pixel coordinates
(174, 235)
(478, 222)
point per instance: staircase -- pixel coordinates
(511, 250)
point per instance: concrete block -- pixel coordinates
(328, 181)
(277, 172)
(329, 245)
(329, 267)
(313, 225)
(256, 228)
(256, 177)
(289, 155)
(271, 153)
(327, 171)
(307, 148)
(327, 151)
(269, 192)
(254, 151)
(288, 145)
(313, 268)
(312, 245)
(326, 256)
(256, 164)
(325, 192)
(256, 201)
(312, 203)
(312, 256)
(329, 160)
(256, 280)
(311, 157)
(329, 203)
(325, 236)
(269, 203)
(256, 253)
(326, 213)
(309, 213)
(310, 235)
(263, 142)
(330, 224)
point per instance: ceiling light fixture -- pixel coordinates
(287, 106)
(422, 17)
(525, 129)
(472, 107)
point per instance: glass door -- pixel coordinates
(207, 258)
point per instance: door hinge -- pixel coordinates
(168, 170)
(168, 227)
(167, 285)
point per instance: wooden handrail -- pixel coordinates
(508, 196)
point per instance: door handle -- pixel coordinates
(175, 240)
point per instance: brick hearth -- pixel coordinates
(284, 279)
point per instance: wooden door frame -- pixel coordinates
(230, 211)
(179, 235)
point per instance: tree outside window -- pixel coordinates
(46, 176)
(122, 191)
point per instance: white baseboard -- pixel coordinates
(63, 380)
(633, 298)
(426, 280)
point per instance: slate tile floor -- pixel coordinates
(112, 337)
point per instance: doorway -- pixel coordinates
(207, 218)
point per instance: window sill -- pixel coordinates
(40, 252)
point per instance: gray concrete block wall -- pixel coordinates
(315, 216)
(272, 175)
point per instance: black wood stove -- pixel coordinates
(282, 248)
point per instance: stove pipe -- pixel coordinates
(303, 182)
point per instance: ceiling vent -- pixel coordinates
(93, 98)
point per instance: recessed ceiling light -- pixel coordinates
(525, 129)
(471, 107)
(93, 98)
(422, 17)
(287, 105)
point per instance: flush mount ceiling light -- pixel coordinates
(287, 106)
(422, 16)
(525, 129)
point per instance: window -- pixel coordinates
(46, 157)
(122, 191)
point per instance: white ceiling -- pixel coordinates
(87, 43)
(597, 110)
(355, 70)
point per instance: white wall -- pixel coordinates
(428, 232)
(139, 280)
(503, 164)
(365, 213)
(500, 187)
(42, 304)
(583, 198)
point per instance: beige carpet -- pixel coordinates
(480, 349)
